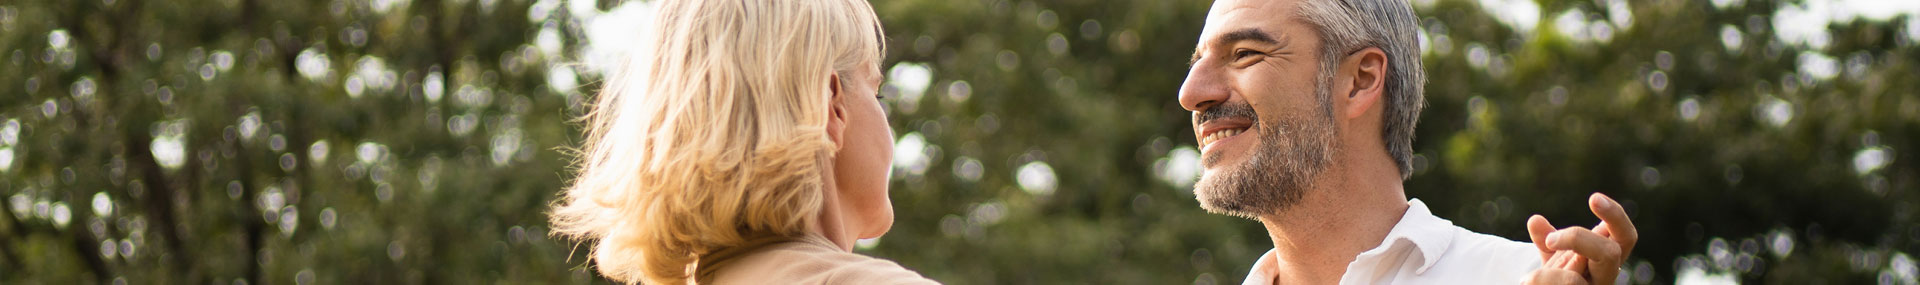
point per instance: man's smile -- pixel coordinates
(1221, 130)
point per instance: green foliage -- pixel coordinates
(278, 141)
(393, 141)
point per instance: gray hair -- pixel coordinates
(1346, 26)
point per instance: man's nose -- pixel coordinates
(1204, 88)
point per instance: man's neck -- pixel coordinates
(1315, 239)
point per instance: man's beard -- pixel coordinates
(1292, 151)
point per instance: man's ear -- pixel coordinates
(836, 112)
(1368, 83)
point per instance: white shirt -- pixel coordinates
(1424, 249)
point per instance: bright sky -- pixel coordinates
(1805, 24)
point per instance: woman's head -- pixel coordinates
(724, 126)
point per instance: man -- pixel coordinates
(1304, 111)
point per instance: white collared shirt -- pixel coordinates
(1424, 249)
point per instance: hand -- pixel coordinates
(1576, 251)
(1558, 269)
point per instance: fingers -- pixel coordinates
(1575, 254)
(1578, 264)
(1603, 256)
(1602, 230)
(1617, 227)
(1564, 260)
(1600, 274)
(1538, 228)
(1549, 275)
(1586, 243)
(1616, 224)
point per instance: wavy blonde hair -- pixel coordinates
(713, 133)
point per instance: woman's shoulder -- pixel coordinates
(806, 262)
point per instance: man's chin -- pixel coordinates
(1217, 195)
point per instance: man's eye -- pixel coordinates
(1241, 54)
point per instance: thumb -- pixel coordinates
(1538, 228)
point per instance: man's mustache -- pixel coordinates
(1226, 110)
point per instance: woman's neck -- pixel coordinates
(831, 223)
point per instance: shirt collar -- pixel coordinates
(707, 263)
(1426, 232)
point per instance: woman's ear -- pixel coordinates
(836, 111)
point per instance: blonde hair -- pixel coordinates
(713, 133)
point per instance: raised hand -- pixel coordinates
(1577, 255)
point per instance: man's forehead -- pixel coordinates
(1232, 15)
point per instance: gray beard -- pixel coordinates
(1280, 170)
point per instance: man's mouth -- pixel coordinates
(1223, 123)
(1217, 135)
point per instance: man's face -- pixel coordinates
(1260, 108)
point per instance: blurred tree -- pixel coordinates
(252, 141)
(416, 141)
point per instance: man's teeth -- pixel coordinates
(1220, 135)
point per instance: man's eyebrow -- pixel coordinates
(1246, 34)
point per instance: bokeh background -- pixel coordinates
(1040, 142)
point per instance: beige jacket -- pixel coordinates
(808, 260)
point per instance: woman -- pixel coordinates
(742, 144)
